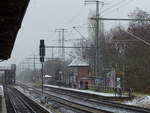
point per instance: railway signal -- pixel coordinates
(42, 57)
(42, 50)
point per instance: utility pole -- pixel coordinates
(52, 53)
(34, 65)
(62, 41)
(63, 44)
(34, 68)
(98, 59)
(59, 41)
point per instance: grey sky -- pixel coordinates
(44, 16)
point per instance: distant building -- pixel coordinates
(79, 75)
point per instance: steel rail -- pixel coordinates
(33, 104)
(19, 104)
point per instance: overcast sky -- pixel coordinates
(44, 16)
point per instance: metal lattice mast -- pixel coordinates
(62, 41)
(98, 59)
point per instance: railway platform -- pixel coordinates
(110, 96)
(2, 101)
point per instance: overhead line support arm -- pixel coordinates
(121, 19)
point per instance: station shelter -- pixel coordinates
(79, 75)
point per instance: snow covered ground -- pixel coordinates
(142, 101)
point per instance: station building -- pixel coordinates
(79, 75)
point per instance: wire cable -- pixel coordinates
(111, 7)
(127, 2)
(80, 11)
(138, 38)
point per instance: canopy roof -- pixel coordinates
(78, 62)
(11, 16)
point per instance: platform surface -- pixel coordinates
(2, 101)
(86, 91)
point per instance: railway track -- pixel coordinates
(102, 101)
(73, 106)
(66, 103)
(16, 102)
(103, 105)
(91, 105)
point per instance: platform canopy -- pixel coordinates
(11, 15)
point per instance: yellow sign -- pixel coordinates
(120, 73)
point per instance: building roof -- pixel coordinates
(11, 16)
(78, 62)
(47, 76)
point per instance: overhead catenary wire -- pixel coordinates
(138, 38)
(111, 7)
(122, 19)
(80, 11)
(71, 33)
(83, 37)
(77, 26)
(108, 11)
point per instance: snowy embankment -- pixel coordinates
(142, 101)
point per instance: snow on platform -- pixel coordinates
(2, 101)
(84, 91)
(1, 90)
